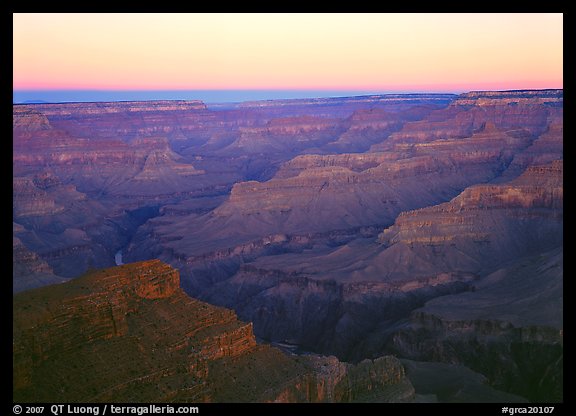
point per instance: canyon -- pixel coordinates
(397, 235)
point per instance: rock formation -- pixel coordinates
(510, 328)
(485, 225)
(130, 334)
(516, 112)
(27, 119)
(29, 270)
(453, 383)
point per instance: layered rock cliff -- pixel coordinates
(28, 269)
(514, 112)
(550, 97)
(26, 119)
(485, 225)
(510, 328)
(129, 334)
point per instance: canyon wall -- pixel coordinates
(129, 334)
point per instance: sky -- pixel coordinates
(371, 52)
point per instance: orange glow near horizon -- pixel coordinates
(427, 52)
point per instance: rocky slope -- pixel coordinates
(437, 382)
(510, 328)
(351, 299)
(29, 270)
(520, 113)
(130, 334)
(74, 197)
(126, 119)
(484, 226)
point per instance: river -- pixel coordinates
(118, 258)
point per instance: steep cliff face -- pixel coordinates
(510, 328)
(160, 345)
(514, 112)
(453, 383)
(381, 380)
(323, 133)
(146, 166)
(355, 162)
(127, 119)
(31, 200)
(29, 270)
(326, 316)
(64, 330)
(549, 146)
(549, 97)
(119, 107)
(61, 224)
(25, 119)
(278, 136)
(367, 127)
(485, 225)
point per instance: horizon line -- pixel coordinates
(217, 96)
